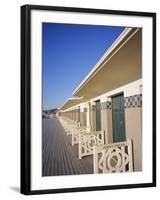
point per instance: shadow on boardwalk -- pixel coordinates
(58, 156)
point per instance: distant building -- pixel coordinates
(49, 113)
(110, 97)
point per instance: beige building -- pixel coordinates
(109, 99)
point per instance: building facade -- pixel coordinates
(110, 97)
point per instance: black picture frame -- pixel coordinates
(26, 98)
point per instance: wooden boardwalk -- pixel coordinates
(58, 156)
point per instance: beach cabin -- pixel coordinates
(109, 99)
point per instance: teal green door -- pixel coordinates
(118, 118)
(98, 116)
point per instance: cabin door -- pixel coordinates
(98, 116)
(118, 118)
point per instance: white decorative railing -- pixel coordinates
(116, 157)
(68, 125)
(88, 140)
(72, 127)
(76, 132)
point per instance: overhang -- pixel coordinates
(121, 65)
(72, 102)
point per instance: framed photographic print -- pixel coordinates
(88, 99)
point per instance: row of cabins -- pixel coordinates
(108, 102)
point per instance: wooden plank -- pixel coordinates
(58, 156)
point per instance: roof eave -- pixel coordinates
(109, 52)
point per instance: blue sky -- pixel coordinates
(69, 52)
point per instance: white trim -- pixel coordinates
(71, 99)
(128, 90)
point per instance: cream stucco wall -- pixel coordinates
(133, 122)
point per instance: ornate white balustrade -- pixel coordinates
(72, 127)
(69, 125)
(88, 140)
(76, 132)
(116, 157)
